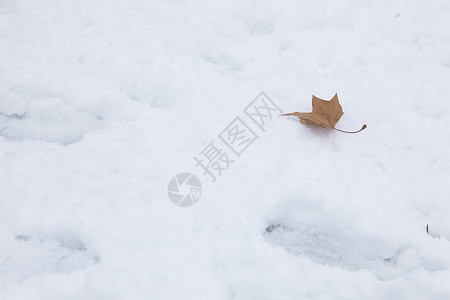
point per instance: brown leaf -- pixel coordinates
(324, 114)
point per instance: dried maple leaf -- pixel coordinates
(324, 114)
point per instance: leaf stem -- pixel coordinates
(362, 128)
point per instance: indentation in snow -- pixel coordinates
(326, 249)
(25, 256)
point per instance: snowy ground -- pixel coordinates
(103, 102)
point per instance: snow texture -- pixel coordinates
(103, 102)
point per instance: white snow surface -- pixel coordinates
(103, 102)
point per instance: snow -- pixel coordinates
(103, 102)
